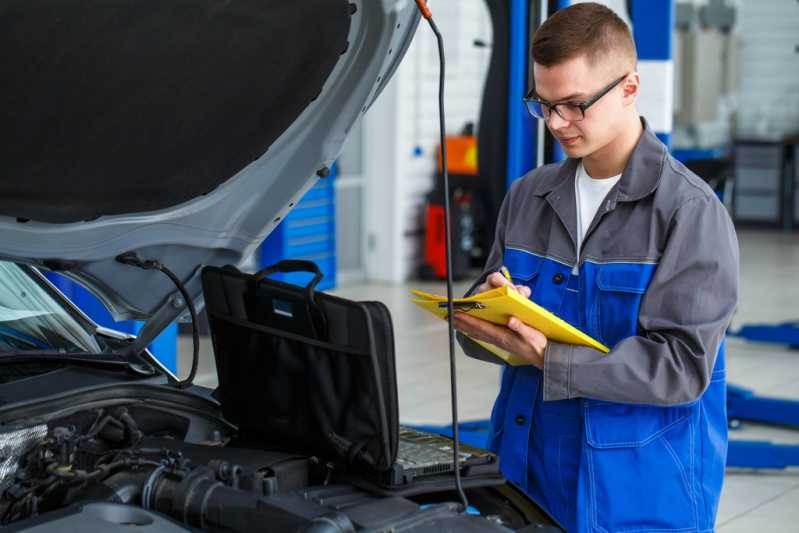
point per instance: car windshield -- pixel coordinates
(31, 319)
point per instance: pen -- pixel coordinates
(505, 272)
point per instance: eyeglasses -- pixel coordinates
(571, 111)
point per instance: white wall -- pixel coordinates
(406, 118)
(768, 99)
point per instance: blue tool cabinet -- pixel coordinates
(308, 232)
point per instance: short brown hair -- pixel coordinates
(588, 29)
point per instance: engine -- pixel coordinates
(132, 465)
(111, 458)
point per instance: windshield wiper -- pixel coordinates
(106, 359)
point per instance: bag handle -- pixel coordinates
(292, 265)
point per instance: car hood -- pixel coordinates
(181, 130)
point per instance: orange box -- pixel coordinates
(461, 154)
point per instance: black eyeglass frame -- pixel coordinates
(582, 106)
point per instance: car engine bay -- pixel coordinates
(123, 465)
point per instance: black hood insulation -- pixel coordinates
(123, 106)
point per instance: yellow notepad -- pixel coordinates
(497, 306)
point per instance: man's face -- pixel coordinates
(576, 81)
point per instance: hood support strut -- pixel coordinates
(166, 314)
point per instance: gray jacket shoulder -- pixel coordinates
(679, 186)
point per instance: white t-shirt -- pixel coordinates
(590, 193)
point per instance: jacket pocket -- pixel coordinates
(523, 267)
(621, 288)
(641, 473)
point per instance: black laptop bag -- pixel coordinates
(304, 370)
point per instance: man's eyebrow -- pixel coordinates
(564, 99)
(571, 97)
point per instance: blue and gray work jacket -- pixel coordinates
(636, 439)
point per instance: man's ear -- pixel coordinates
(630, 87)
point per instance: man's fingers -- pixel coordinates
(524, 290)
(463, 323)
(516, 338)
(530, 335)
(468, 324)
(519, 327)
(479, 329)
(495, 279)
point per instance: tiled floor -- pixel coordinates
(752, 500)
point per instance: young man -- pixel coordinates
(626, 244)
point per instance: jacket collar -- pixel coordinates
(642, 174)
(639, 179)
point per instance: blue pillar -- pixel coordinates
(653, 25)
(557, 150)
(521, 126)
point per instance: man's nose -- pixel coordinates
(556, 122)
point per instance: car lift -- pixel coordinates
(745, 405)
(786, 333)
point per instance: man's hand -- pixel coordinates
(495, 279)
(517, 338)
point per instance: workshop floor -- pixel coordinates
(752, 500)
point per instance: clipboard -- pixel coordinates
(498, 305)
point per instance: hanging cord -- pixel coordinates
(132, 259)
(425, 10)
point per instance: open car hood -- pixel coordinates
(182, 130)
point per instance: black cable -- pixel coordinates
(448, 241)
(132, 259)
(195, 331)
(97, 428)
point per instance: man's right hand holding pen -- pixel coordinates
(517, 338)
(500, 279)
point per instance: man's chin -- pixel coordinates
(575, 151)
